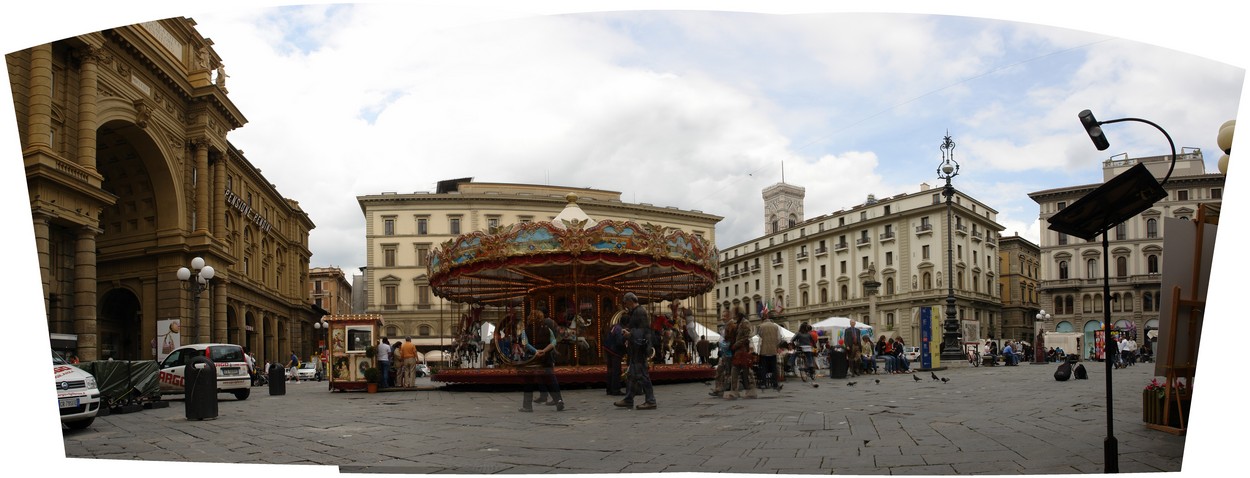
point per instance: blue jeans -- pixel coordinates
(386, 373)
(638, 374)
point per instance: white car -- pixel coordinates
(76, 393)
(911, 353)
(423, 370)
(306, 371)
(229, 360)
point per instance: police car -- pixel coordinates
(76, 393)
(229, 360)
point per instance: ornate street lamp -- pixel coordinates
(196, 279)
(947, 170)
(1039, 343)
(1117, 200)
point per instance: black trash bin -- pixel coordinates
(200, 388)
(277, 380)
(837, 362)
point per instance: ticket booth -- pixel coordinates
(350, 335)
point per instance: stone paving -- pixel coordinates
(987, 420)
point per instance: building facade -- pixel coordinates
(1019, 263)
(879, 263)
(329, 289)
(130, 176)
(403, 229)
(1072, 268)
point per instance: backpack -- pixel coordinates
(1079, 372)
(1064, 372)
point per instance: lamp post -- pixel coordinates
(947, 170)
(322, 325)
(196, 279)
(1117, 200)
(1039, 344)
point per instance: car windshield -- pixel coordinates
(57, 359)
(308, 366)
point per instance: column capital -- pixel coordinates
(91, 54)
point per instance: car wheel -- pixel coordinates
(242, 394)
(80, 424)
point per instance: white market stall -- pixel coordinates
(834, 327)
(785, 335)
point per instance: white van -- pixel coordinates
(76, 393)
(232, 376)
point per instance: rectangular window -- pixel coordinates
(388, 256)
(889, 258)
(959, 251)
(317, 286)
(803, 273)
(1217, 193)
(887, 210)
(388, 227)
(1061, 205)
(924, 252)
(924, 221)
(864, 263)
(822, 271)
(1182, 195)
(843, 266)
(423, 255)
(423, 226)
(937, 199)
(454, 225)
(1063, 239)
(1121, 231)
(423, 295)
(492, 222)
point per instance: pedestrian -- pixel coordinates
(384, 362)
(851, 340)
(251, 366)
(1009, 354)
(704, 349)
(770, 334)
(869, 353)
(408, 363)
(723, 355)
(804, 344)
(741, 370)
(900, 356)
(293, 367)
(638, 350)
(545, 377)
(882, 349)
(614, 352)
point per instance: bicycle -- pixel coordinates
(974, 357)
(809, 371)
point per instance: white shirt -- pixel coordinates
(384, 353)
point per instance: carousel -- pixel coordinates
(573, 270)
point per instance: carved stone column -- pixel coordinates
(88, 92)
(85, 294)
(221, 328)
(39, 132)
(44, 250)
(201, 184)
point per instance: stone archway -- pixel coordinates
(119, 325)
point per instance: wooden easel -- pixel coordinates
(1184, 367)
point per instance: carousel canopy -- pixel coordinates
(506, 264)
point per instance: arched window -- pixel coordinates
(889, 286)
(1152, 264)
(392, 331)
(1091, 268)
(804, 298)
(425, 331)
(1128, 302)
(1121, 266)
(889, 320)
(1115, 302)
(1152, 228)
(776, 225)
(1071, 309)
(928, 281)
(842, 292)
(1147, 301)
(1087, 304)
(793, 220)
(1098, 302)
(1063, 269)
(824, 295)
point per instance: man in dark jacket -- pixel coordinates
(614, 351)
(637, 336)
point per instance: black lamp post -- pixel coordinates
(1039, 343)
(196, 280)
(1117, 200)
(947, 170)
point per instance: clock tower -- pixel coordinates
(783, 206)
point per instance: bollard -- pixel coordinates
(200, 388)
(277, 380)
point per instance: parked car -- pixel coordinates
(911, 353)
(306, 371)
(231, 367)
(76, 393)
(423, 370)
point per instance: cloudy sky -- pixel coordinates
(692, 108)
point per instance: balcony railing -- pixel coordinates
(801, 255)
(862, 241)
(839, 246)
(822, 250)
(924, 228)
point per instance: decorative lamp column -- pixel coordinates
(197, 280)
(947, 170)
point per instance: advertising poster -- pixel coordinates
(168, 337)
(926, 337)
